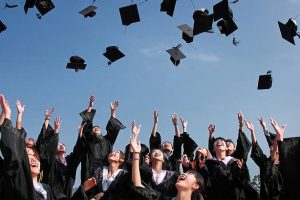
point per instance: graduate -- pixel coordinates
(271, 182)
(97, 146)
(186, 184)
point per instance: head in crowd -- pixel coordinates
(96, 130)
(167, 147)
(156, 155)
(61, 148)
(30, 142)
(190, 182)
(116, 157)
(220, 145)
(201, 156)
(34, 162)
(230, 147)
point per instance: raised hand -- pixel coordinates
(249, 125)
(114, 106)
(185, 160)
(89, 183)
(184, 124)
(174, 119)
(240, 117)
(279, 130)
(91, 102)
(20, 108)
(5, 107)
(80, 129)
(155, 116)
(240, 163)
(135, 129)
(262, 123)
(57, 124)
(48, 113)
(211, 129)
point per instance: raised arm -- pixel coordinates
(250, 126)
(211, 138)
(184, 125)
(155, 139)
(6, 112)
(175, 123)
(48, 114)
(155, 121)
(279, 136)
(91, 104)
(135, 148)
(113, 108)
(241, 120)
(20, 109)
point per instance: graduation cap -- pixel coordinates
(29, 4)
(2, 26)
(168, 6)
(113, 54)
(176, 55)
(76, 63)
(187, 33)
(129, 14)
(202, 21)
(89, 11)
(44, 6)
(265, 81)
(226, 26)
(288, 30)
(222, 10)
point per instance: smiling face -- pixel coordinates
(220, 145)
(230, 148)
(157, 155)
(188, 181)
(61, 148)
(167, 147)
(116, 156)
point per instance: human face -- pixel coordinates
(157, 154)
(115, 156)
(96, 130)
(201, 154)
(186, 181)
(167, 147)
(34, 164)
(230, 148)
(30, 143)
(220, 145)
(61, 148)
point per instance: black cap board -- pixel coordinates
(89, 11)
(113, 54)
(222, 10)
(202, 21)
(226, 26)
(129, 14)
(289, 30)
(176, 55)
(265, 81)
(2, 26)
(168, 6)
(29, 4)
(76, 63)
(44, 6)
(187, 33)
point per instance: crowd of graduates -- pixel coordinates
(39, 169)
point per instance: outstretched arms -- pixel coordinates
(113, 108)
(20, 109)
(155, 121)
(175, 123)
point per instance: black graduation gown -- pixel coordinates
(289, 151)
(119, 187)
(96, 149)
(271, 183)
(17, 180)
(223, 182)
(146, 193)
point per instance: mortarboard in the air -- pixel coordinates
(113, 54)
(29, 4)
(265, 81)
(89, 11)
(187, 33)
(176, 55)
(226, 26)
(202, 21)
(44, 6)
(129, 14)
(168, 6)
(222, 10)
(76, 63)
(2, 26)
(288, 30)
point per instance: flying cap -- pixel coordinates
(202, 21)
(89, 11)
(168, 6)
(226, 26)
(113, 54)
(187, 33)
(29, 4)
(289, 30)
(129, 14)
(176, 55)
(44, 6)
(222, 10)
(76, 63)
(265, 81)
(2, 26)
